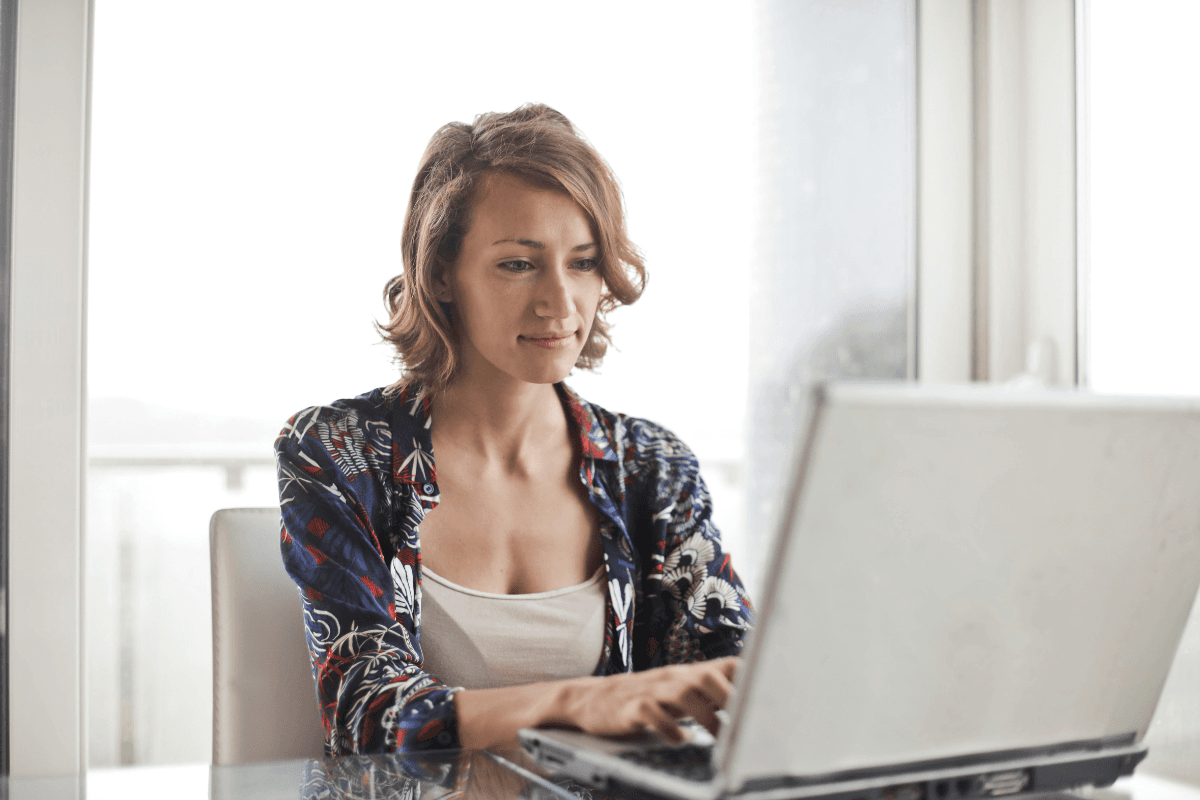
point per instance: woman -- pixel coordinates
(553, 542)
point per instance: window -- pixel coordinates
(250, 166)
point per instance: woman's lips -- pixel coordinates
(550, 342)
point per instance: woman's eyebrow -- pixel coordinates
(536, 245)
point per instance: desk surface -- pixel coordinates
(467, 775)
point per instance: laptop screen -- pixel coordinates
(970, 570)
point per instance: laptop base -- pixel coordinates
(620, 764)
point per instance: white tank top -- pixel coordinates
(481, 640)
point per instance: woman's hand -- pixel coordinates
(654, 700)
(615, 705)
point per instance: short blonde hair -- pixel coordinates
(536, 144)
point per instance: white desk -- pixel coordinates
(472, 774)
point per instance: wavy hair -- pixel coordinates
(534, 143)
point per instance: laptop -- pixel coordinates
(975, 591)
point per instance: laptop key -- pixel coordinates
(690, 762)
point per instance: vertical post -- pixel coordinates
(981, 192)
(47, 390)
(1083, 191)
(1050, 190)
(126, 605)
(1025, 179)
(945, 178)
(8, 71)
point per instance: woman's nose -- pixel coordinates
(554, 296)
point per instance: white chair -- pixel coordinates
(264, 702)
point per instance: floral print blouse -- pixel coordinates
(355, 480)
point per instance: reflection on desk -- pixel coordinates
(470, 775)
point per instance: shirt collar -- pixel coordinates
(594, 439)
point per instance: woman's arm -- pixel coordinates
(615, 705)
(697, 607)
(334, 467)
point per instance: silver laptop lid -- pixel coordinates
(969, 570)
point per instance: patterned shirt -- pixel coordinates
(357, 477)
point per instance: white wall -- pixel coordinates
(1143, 263)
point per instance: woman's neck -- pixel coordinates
(501, 424)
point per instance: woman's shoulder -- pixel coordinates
(351, 412)
(369, 421)
(634, 440)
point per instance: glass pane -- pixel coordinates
(251, 163)
(835, 251)
(1144, 271)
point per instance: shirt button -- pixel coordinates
(427, 488)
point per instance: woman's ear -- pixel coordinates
(442, 290)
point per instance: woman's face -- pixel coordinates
(526, 283)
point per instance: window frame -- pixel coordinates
(997, 224)
(47, 387)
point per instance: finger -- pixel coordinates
(701, 709)
(728, 665)
(703, 678)
(714, 685)
(708, 679)
(656, 719)
(695, 705)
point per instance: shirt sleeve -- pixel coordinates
(373, 695)
(708, 612)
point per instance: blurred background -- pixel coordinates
(250, 163)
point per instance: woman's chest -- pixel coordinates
(511, 536)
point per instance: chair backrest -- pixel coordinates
(264, 701)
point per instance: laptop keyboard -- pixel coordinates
(689, 761)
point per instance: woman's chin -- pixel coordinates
(550, 371)
(523, 372)
(547, 376)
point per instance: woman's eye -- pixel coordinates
(516, 266)
(586, 264)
